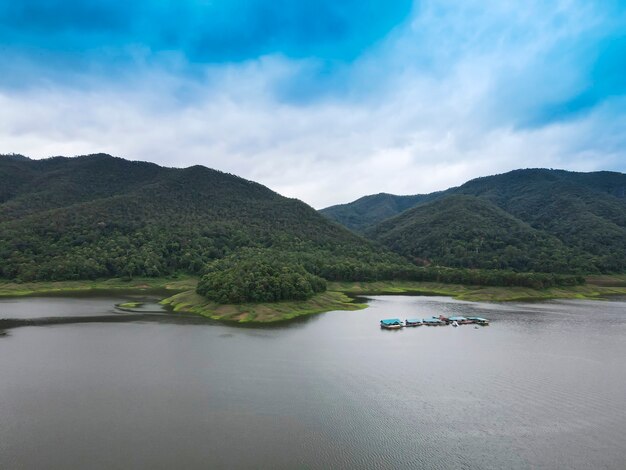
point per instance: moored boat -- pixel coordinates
(478, 321)
(413, 322)
(391, 324)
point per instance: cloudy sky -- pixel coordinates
(322, 100)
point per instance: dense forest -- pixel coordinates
(560, 221)
(256, 275)
(368, 211)
(269, 274)
(469, 232)
(99, 216)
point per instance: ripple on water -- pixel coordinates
(542, 387)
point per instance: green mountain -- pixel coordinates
(370, 210)
(466, 232)
(99, 216)
(581, 216)
(586, 211)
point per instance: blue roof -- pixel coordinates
(477, 318)
(457, 318)
(414, 320)
(391, 321)
(432, 320)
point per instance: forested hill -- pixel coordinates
(467, 231)
(370, 210)
(585, 212)
(101, 216)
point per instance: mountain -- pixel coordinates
(585, 212)
(466, 231)
(370, 210)
(31, 186)
(100, 216)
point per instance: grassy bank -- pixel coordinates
(190, 302)
(336, 298)
(104, 286)
(185, 299)
(597, 287)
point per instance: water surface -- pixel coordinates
(542, 387)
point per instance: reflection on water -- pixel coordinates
(542, 387)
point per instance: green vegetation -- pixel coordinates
(191, 302)
(469, 232)
(66, 224)
(102, 286)
(335, 298)
(607, 281)
(586, 211)
(257, 276)
(129, 305)
(368, 211)
(186, 300)
(97, 216)
(493, 277)
(560, 221)
(478, 293)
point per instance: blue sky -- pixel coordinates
(321, 100)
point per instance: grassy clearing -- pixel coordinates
(190, 302)
(481, 293)
(137, 285)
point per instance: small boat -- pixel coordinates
(455, 324)
(478, 321)
(413, 322)
(391, 324)
(433, 322)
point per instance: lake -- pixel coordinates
(84, 385)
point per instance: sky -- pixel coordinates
(320, 100)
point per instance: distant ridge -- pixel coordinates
(14, 157)
(583, 213)
(369, 210)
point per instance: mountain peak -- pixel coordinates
(103, 216)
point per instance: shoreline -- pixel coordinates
(605, 287)
(260, 313)
(178, 295)
(94, 287)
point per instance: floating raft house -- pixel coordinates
(460, 320)
(391, 323)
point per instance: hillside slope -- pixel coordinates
(100, 216)
(470, 232)
(370, 210)
(586, 212)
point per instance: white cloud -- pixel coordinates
(401, 127)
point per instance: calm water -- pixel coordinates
(86, 386)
